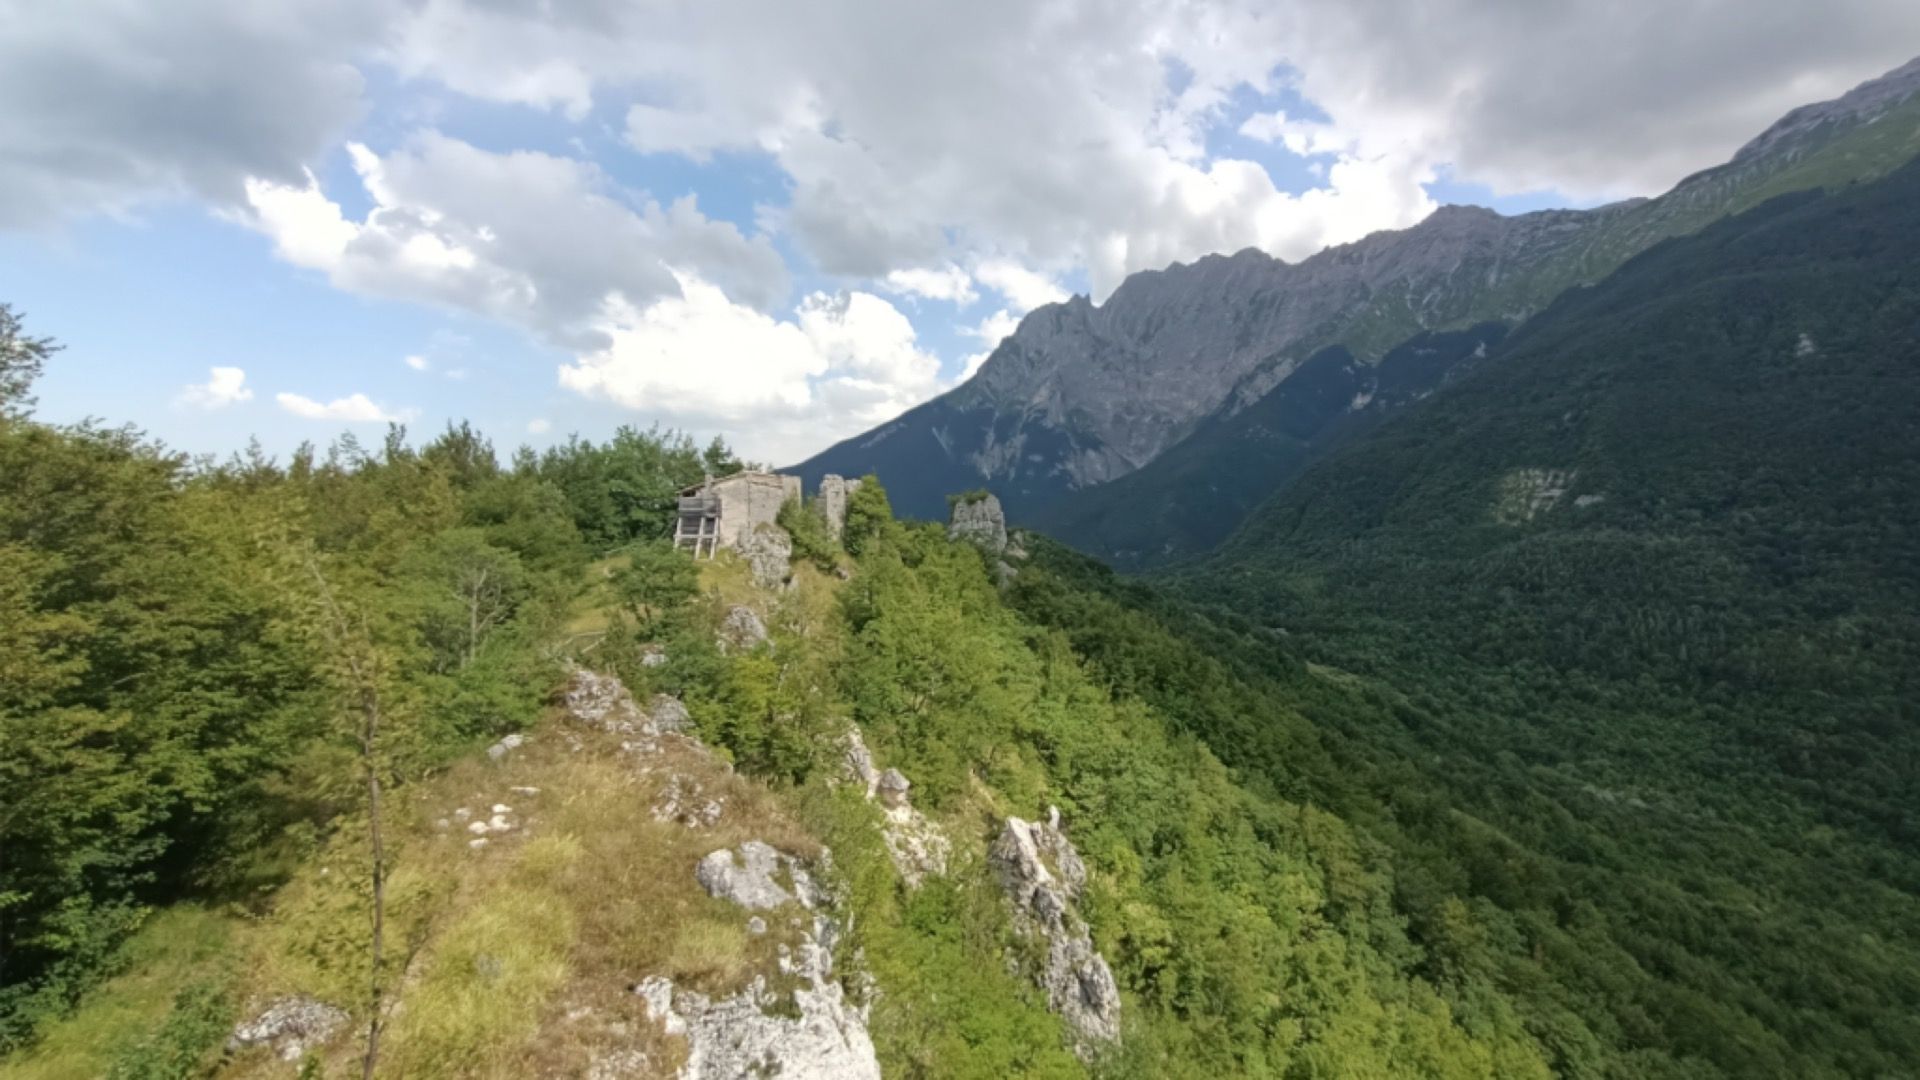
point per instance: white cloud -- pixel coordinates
(529, 239)
(939, 151)
(225, 386)
(457, 374)
(418, 363)
(781, 387)
(352, 409)
(1023, 288)
(950, 283)
(113, 104)
(539, 426)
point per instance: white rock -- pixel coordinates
(748, 877)
(1043, 877)
(291, 1026)
(820, 1037)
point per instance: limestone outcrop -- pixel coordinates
(741, 629)
(758, 877)
(915, 844)
(290, 1027)
(810, 1032)
(1044, 878)
(769, 555)
(978, 519)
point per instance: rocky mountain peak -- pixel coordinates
(1862, 104)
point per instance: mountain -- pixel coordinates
(1082, 394)
(1644, 588)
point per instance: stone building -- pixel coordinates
(722, 512)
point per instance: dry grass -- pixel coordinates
(521, 955)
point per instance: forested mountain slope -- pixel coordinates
(1081, 395)
(1643, 588)
(305, 777)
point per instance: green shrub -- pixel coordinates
(808, 529)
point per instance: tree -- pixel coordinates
(656, 581)
(719, 458)
(462, 590)
(869, 515)
(21, 360)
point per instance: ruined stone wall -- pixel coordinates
(749, 500)
(834, 493)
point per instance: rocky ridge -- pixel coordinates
(1081, 394)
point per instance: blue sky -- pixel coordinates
(782, 226)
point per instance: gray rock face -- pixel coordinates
(979, 521)
(601, 701)
(915, 844)
(742, 629)
(817, 1035)
(1044, 877)
(858, 761)
(758, 877)
(769, 554)
(667, 714)
(291, 1027)
(1081, 394)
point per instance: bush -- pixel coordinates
(869, 515)
(808, 530)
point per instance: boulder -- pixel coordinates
(1044, 877)
(290, 1026)
(666, 713)
(752, 876)
(601, 701)
(742, 629)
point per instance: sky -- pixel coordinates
(784, 222)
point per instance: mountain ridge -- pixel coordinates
(1083, 394)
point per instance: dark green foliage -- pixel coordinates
(1252, 935)
(1653, 736)
(623, 490)
(656, 582)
